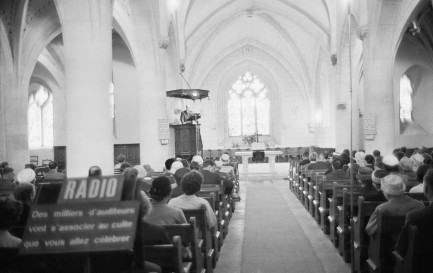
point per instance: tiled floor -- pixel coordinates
(230, 260)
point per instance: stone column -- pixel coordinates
(87, 38)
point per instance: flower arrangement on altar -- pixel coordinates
(248, 139)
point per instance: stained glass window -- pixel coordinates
(40, 118)
(248, 106)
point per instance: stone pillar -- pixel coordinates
(87, 38)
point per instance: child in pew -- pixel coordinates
(398, 204)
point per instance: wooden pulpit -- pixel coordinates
(187, 140)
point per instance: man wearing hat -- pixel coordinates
(161, 213)
(376, 177)
(423, 220)
(392, 165)
(398, 204)
(26, 176)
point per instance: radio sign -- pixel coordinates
(102, 189)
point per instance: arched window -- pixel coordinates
(40, 118)
(248, 106)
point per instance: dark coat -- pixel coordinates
(210, 177)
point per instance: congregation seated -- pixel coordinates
(360, 158)
(318, 164)
(194, 166)
(398, 204)
(209, 174)
(392, 165)
(149, 170)
(377, 177)
(406, 168)
(227, 174)
(369, 161)
(423, 220)
(337, 172)
(178, 191)
(53, 174)
(199, 160)
(191, 184)
(161, 213)
(10, 211)
(8, 175)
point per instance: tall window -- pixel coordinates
(248, 106)
(40, 118)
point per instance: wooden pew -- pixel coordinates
(217, 238)
(221, 206)
(316, 197)
(325, 193)
(311, 185)
(168, 257)
(205, 234)
(189, 235)
(360, 237)
(344, 219)
(414, 260)
(334, 203)
(380, 258)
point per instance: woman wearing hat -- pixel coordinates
(398, 204)
(364, 177)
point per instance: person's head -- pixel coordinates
(390, 163)
(160, 189)
(395, 151)
(52, 165)
(405, 164)
(337, 164)
(346, 151)
(184, 163)
(121, 158)
(360, 158)
(305, 155)
(179, 175)
(8, 174)
(95, 171)
(225, 158)
(198, 159)
(428, 184)
(417, 160)
(364, 176)
(403, 149)
(369, 160)
(176, 165)
(124, 166)
(168, 163)
(313, 156)
(377, 176)
(378, 163)
(26, 176)
(345, 159)
(10, 211)
(191, 182)
(129, 183)
(25, 192)
(392, 186)
(422, 170)
(3, 165)
(376, 153)
(194, 166)
(427, 159)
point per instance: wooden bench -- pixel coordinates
(217, 238)
(380, 258)
(168, 257)
(311, 185)
(189, 235)
(325, 193)
(205, 233)
(360, 237)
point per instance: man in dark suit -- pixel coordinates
(337, 172)
(52, 174)
(209, 174)
(305, 159)
(423, 220)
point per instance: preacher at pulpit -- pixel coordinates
(185, 116)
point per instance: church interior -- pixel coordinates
(83, 82)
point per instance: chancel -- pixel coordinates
(279, 130)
